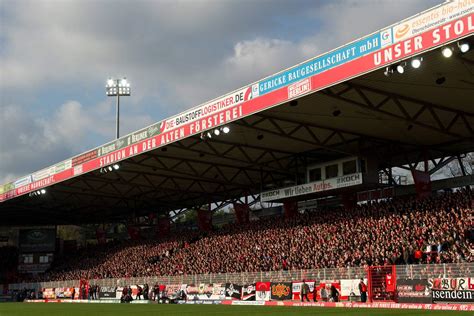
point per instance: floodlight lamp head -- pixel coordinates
(416, 62)
(447, 52)
(401, 68)
(463, 47)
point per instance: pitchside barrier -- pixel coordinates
(443, 283)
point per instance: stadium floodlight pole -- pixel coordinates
(117, 87)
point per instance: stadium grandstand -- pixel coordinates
(326, 180)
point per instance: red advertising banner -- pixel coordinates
(242, 212)
(438, 36)
(262, 291)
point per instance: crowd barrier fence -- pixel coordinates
(417, 271)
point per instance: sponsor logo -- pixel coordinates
(248, 303)
(119, 143)
(348, 179)
(270, 194)
(152, 130)
(211, 110)
(401, 31)
(386, 37)
(249, 289)
(255, 91)
(298, 88)
(106, 149)
(231, 290)
(420, 287)
(318, 187)
(280, 290)
(261, 295)
(77, 170)
(84, 157)
(448, 295)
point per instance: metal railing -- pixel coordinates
(452, 270)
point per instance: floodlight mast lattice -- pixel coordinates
(118, 88)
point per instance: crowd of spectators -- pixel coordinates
(399, 231)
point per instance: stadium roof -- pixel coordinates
(348, 102)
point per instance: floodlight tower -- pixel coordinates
(118, 88)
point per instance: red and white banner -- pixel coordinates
(225, 111)
(451, 283)
(432, 307)
(422, 183)
(263, 291)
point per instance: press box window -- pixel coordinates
(315, 175)
(27, 258)
(331, 171)
(349, 167)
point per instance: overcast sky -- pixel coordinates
(55, 56)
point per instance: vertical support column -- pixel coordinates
(118, 113)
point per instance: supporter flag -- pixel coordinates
(262, 292)
(242, 212)
(291, 208)
(100, 234)
(281, 291)
(389, 283)
(133, 232)
(422, 183)
(248, 292)
(204, 218)
(233, 291)
(164, 227)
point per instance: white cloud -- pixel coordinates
(33, 141)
